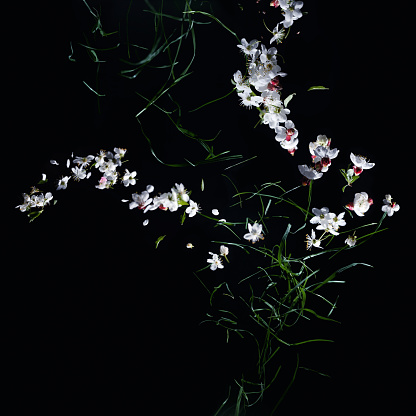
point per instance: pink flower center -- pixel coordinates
(357, 170)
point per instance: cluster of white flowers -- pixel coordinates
(261, 88)
(290, 10)
(35, 200)
(215, 260)
(105, 162)
(177, 197)
(322, 156)
(328, 222)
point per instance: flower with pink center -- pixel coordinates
(360, 163)
(309, 174)
(361, 203)
(287, 132)
(390, 207)
(102, 184)
(140, 201)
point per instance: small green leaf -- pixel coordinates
(159, 240)
(34, 214)
(202, 185)
(317, 87)
(288, 99)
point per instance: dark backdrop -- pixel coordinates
(95, 317)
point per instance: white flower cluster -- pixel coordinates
(178, 196)
(105, 162)
(290, 10)
(35, 200)
(261, 88)
(322, 156)
(328, 222)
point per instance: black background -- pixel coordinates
(98, 320)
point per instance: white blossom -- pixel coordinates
(83, 161)
(215, 261)
(351, 240)
(119, 153)
(278, 35)
(361, 204)
(181, 191)
(224, 250)
(26, 203)
(323, 156)
(291, 9)
(248, 48)
(99, 159)
(192, 209)
(80, 173)
(360, 163)
(309, 173)
(321, 215)
(311, 240)
(389, 206)
(129, 178)
(254, 233)
(140, 201)
(102, 183)
(63, 183)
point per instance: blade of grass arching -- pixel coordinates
(217, 413)
(127, 29)
(163, 90)
(219, 287)
(315, 371)
(288, 387)
(173, 165)
(202, 283)
(233, 184)
(216, 19)
(340, 270)
(311, 340)
(280, 259)
(239, 163)
(91, 89)
(212, 101)
(309, 199)
(91, 48)
(172, 17)
(240, 396)
(324, 318)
